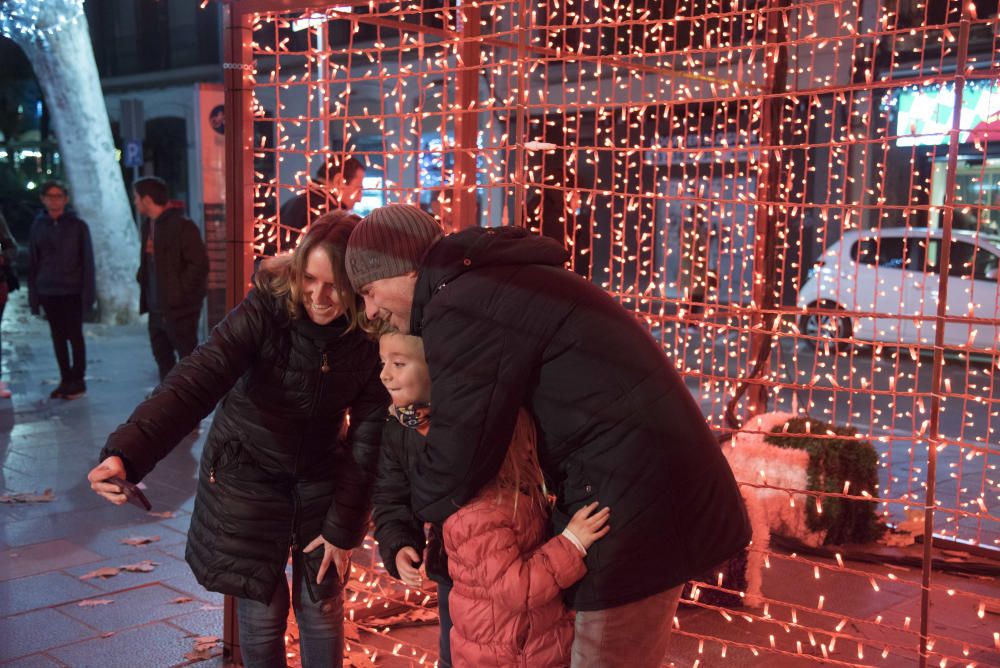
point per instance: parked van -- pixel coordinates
(882, 285)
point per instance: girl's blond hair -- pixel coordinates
(281, 276)
(521, 472)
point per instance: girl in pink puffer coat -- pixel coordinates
(506, 603)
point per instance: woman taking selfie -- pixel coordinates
(281, 473)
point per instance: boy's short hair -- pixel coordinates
(389, 330)
(152, 187)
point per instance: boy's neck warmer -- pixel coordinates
(414, 416)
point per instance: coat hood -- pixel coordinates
(476, 248)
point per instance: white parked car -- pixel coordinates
(882, 286)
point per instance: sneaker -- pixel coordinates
(4, 390)
(59, 392)
(74, 390)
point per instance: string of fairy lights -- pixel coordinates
(33, 21)
(655, 144)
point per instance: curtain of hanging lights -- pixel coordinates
(697, 158)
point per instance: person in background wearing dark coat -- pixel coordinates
(289, 462)
(61, 281)
(173, 274)
(505, 326)
(556, 211)
(338, 184)
(7, 259)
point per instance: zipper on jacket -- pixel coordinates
(293, 544)
(324, 368)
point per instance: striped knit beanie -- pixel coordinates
(390, 241)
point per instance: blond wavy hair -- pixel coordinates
(521, 472)
(281, 276)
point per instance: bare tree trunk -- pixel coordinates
(56, 40)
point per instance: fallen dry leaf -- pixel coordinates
(144, 566)
(414, 617)
(28, 497)
(140, 540)
(90, 602)
(182, 599)
(106, 572)
(205, 647)
(166, 514)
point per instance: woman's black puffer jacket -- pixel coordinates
(280, 465)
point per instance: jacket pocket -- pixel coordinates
(224, 459)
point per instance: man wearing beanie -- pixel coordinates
(505, 325)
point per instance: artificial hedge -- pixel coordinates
(835, 456)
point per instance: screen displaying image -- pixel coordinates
(924, 115)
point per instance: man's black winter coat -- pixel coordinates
(505, 325)
(181, 266)
(279, 466)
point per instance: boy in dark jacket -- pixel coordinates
(504, 325)
(61, 280)
(406, 553)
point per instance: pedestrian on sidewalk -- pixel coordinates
(505, 326)
(281, 468)
(7, 258)
(173, 274)
(61, 281)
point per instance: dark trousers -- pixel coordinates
(65, 316)
(444, 616)
(172, 339)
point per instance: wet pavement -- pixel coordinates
(52, 614)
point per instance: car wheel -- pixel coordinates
(824, 328)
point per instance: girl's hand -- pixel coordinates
(409, 566)
(341, 559)
(587, 527)
(112, 467)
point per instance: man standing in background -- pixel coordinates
(61, 281)
(173, 274)
(338, 184)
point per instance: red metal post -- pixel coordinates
(467, 118)
(937, 388)
(767, 210)
(237, 78)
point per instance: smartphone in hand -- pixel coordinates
(132, 493)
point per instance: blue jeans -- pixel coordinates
(444, 616)
(321, 626)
